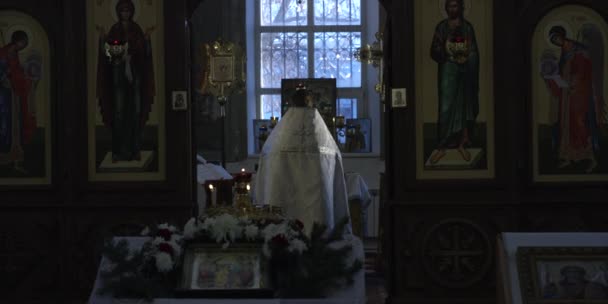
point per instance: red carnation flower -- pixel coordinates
(280, 240)
(165, 247)
(165, 233)
(299, 224)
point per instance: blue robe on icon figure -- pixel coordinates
(300, 169)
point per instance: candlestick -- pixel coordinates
(273, 121)
(213, 195)
(242, 198)
(339, 121)
(241, 177)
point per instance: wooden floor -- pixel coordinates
(375, 290)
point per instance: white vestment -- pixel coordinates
(300, 170)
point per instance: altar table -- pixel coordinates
(356, 188)
(354, 294)
(240, 301)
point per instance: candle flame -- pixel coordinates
(248, 187)
(242, 169)
(211, 187)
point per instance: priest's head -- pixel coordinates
(302, 98)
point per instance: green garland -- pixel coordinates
(312, 273)
(317, 271)
(134, 275)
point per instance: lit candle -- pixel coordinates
(213, 194)
(242, 177)
(339, 120)
(248, 188)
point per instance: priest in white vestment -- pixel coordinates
(300, 169)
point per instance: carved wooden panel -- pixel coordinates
(52, 256)
(457, 252)
(443, 250)
(575, 217)
(30, 251)
(85, 233)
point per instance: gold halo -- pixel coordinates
(20, 27)
(468, 5)
(112, 7)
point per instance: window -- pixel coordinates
(309, 39)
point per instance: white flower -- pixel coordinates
(251, 232)
(167, 226)
(145, 231)
(176, 238)
(177, 249)
(190, 228)
(164, 262)
(272, 230)
(226, 228)
(208, 223)
(297, 245)
(291, 233)
(157, 240)
(269, 232)
(244, 219)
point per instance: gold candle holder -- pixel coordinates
(242, 199)
(340, 122)
(242, 191)
(273, 121)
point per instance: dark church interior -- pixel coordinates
(473, 134)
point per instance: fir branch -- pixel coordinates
(320, 269)
(134, 274)
(323, 266)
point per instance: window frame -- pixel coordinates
(361, 93)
